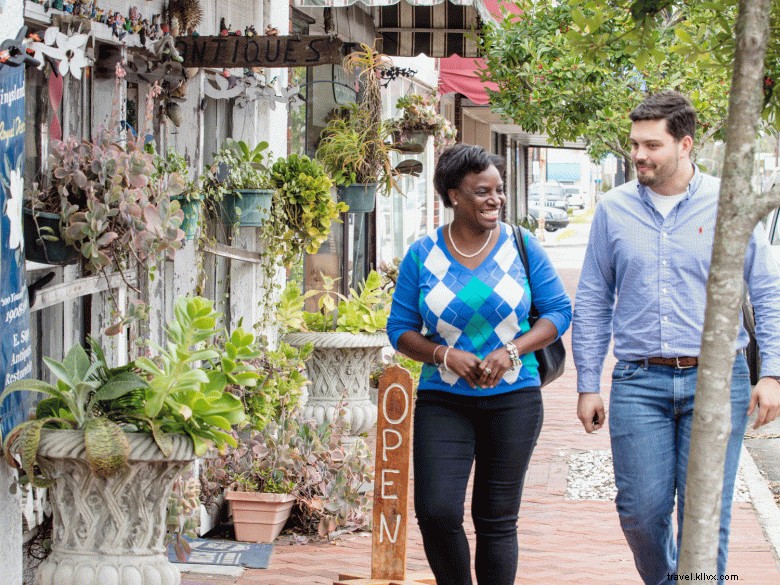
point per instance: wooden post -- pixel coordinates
(391, 485)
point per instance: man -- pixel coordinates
(650, 247)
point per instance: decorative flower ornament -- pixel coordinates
(68, 51)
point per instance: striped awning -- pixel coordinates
(437, 28)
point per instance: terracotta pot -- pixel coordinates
(109, 531)
(259, 517)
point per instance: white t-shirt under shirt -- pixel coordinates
(665, 203)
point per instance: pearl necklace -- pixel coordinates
(478, 252)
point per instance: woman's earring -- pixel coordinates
(454, 203)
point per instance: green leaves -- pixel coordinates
(107, 446)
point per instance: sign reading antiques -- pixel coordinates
(259, 51)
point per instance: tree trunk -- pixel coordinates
(739, 209)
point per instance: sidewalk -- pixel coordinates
(562, 541)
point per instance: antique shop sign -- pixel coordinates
(259, 51)
(15, 348)
(391, 483)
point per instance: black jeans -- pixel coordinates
(451, 432)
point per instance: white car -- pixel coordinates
(574, 197)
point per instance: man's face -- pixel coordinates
(660, 160)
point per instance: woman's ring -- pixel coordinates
(488, 371)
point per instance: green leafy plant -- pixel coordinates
(238, 166)
(421, 114)
(280, 385)
(185, 389)
(174, 164)
(359, 312)
(303, 210)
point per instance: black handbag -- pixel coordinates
(552, 358)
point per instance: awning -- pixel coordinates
(437, 28)
(458, 75)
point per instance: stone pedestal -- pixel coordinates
(339, 369)
(109, 531)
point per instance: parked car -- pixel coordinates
(574, 197)
(554, 195)
(554, 218)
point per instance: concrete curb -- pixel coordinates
(763, 501)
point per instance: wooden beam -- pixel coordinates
(54, 295)
(233, 253)
(260, 51)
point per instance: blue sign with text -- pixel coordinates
(15, 348)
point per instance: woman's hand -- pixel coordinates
(491, 369)
(465, 364)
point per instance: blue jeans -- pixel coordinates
(451, 433)
(650, 419)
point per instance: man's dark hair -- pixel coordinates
(671, 106)
(458, 161)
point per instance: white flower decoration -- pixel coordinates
(74, 59)
(13, 209)
(69, 51)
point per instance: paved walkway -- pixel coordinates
(561, 541)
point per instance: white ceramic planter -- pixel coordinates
(109, 531)
(339, 368)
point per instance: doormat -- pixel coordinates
(227, 553)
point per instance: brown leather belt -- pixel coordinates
(680, 363)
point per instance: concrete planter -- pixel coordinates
(258, 516)
(339, 369)
(109, 531)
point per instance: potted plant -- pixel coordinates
(109, 442)
(347, 334)
(174, 164)
(356, 145)
(420, 118)
(295, 466)
(238, 183)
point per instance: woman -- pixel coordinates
(461, 306)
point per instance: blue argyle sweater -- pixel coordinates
(476, 310)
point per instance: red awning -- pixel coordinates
(459, 75)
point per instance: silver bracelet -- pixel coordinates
(514, 356)
(446, 351)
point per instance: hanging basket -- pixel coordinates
(361, 197)
(38, 249)
(191, 222)
(246, 207)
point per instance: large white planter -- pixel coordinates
(339, 368)
(109, 531)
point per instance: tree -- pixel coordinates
(577, 69)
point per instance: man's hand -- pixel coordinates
(766, 395)
(590, 410)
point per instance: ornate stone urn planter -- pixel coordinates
(109, 531)
(339, 369)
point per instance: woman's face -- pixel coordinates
(479, 198)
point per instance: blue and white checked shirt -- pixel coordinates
(644, 279)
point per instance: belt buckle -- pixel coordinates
(679, 366)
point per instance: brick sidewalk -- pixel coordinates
(561, 541)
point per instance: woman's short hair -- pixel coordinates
(458, 161)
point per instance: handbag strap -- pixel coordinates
(520, 233)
